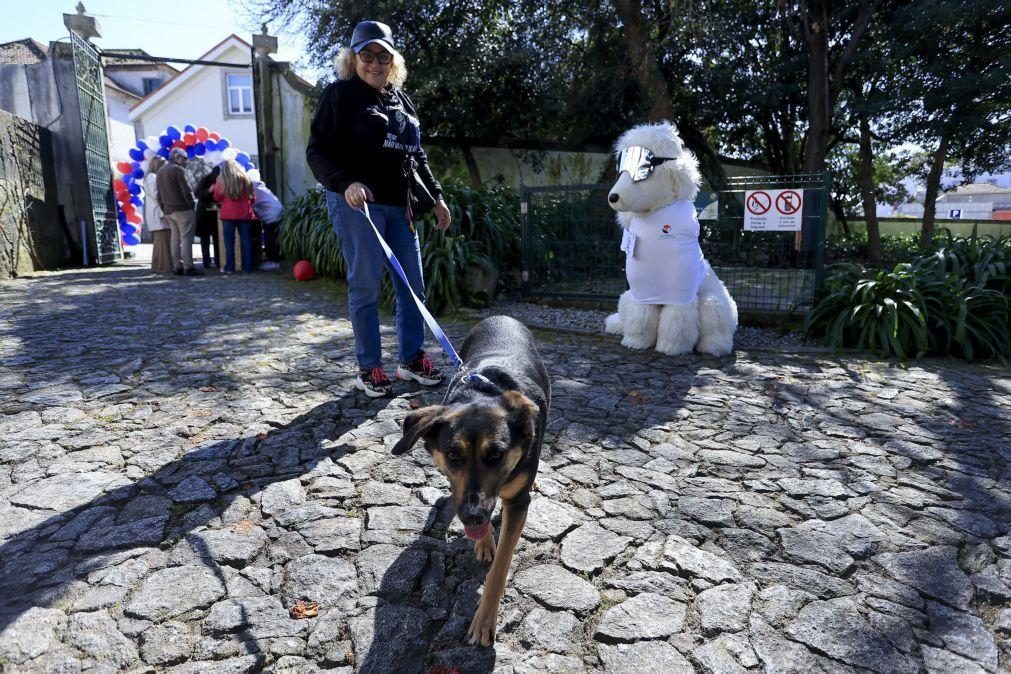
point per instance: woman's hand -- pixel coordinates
(442, 216)
(357, 194)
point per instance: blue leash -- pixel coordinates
(433, 325)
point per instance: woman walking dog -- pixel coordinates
(365, 146)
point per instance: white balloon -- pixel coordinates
(143, 165)
(253, 175)
(228, 153)
(148, 153)
(152, 142)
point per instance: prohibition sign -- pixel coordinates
(759, 203)
(788, 202)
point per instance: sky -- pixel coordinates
(175, 28)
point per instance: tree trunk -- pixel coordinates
(840, 215)
(654, 87)
(472, 169)
(866, 177)
(933, 187)
(819, 106)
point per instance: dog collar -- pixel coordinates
(480, 383)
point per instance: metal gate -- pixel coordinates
(91, 102)
(570, 244)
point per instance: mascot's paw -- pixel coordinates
(612, 324)
(716, 345)
(636, 342)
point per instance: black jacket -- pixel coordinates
(362, 135)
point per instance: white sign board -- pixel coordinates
(773, 210)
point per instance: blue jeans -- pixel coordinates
(228, 231)
(365, 260)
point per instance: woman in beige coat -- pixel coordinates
(154, 219)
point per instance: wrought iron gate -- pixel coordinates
(570, 244)
(91, 102)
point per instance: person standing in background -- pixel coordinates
(268, 211)
(161, 252)
(235, 193)
(207, 220)
(176, 200)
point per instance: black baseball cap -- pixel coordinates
(367, 32)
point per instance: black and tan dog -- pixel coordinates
(486, 438)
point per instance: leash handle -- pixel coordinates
(433, 325)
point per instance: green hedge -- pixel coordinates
(953, 300)
(485, 233)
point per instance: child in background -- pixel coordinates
(269, 211)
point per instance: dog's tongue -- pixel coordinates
(476, 532)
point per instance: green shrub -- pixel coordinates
(485, 232)
(952, 301)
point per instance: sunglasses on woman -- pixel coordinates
(639, 162)
(384, 58)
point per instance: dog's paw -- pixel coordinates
(482, 627)
(484, 549)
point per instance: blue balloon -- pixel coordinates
(199, 149)
(165, 142)
(142, 145)
(120, 215)
(129, 229)
(189, 128)
(131, 240)
(223, 144)
(136, 200)
(128, 179)
(136, 155)
(242, 158)
(190, 152)
(133, 188)
(138, 173)
(211, 145)
(164, 153)
(173, 133)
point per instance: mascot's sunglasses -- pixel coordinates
(639, 162)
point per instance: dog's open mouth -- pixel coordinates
(476, 532)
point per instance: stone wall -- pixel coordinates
(31, 234)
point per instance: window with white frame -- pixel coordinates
(240, 93)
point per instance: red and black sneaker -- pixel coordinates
(421, 370)
(374, 382)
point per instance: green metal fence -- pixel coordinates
(570, 244)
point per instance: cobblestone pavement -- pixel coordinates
(182, 459)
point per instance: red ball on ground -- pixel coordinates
(303, 270)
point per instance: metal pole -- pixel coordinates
(84, 243)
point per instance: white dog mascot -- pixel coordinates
(675, 301)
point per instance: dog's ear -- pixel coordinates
(522, 413)
(417, 424)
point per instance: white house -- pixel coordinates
(127, 81)
(978, 201)
(218, 98)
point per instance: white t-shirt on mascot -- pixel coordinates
(664, 262)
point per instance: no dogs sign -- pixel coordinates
(773, 210)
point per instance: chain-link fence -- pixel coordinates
(570, 244)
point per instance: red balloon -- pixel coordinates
(135, 219)
(129, 209)
(122, 196)
(124, 167)
(118, 185)
(190, 138)
(214, 136)
(303, 270)
(179, 144)
(202, 134)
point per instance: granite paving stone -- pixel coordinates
(183, 459)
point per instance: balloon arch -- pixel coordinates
(209, 146)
